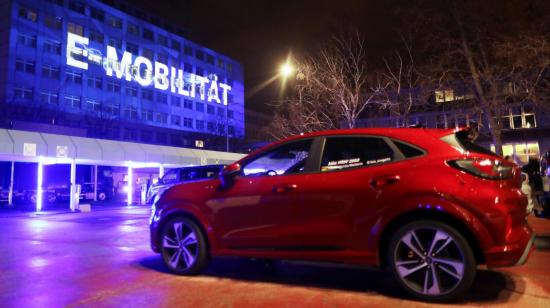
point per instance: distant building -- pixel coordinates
(525, 128)
(104, 69)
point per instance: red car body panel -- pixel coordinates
(342, 215)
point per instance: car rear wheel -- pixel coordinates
(431, 260)
(183, 246)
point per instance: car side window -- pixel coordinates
(170, 177)
(354, 152)
(286, 159)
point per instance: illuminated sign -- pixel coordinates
(145, 72)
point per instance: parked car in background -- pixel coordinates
(427, 204)
(180, 175)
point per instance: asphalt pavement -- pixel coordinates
(103, 259)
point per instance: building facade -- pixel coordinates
(103, 69)
(525, 126)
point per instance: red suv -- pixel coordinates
(428, 204)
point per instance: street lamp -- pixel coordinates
(286, 69)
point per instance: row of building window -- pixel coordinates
(56, 23)
(72, 76)
(130, 112)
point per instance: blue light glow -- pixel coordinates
(40, 175)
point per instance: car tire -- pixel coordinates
(431, 261)
(101, 196)
(183, 246)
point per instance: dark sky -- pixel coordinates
(260, 34)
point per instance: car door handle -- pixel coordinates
(284, 188)
(384, 181)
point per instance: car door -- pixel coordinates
(253, 212)
(339, 202)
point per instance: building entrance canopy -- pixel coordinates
(46, 149)
(27, 146)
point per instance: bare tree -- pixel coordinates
(333, 87)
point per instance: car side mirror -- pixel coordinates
(227, 175)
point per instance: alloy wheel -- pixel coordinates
(180, 245)
(430, 261)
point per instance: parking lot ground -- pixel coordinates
(102, 259)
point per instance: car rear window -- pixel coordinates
(462, 142)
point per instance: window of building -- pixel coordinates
(53, 22)
(162, 40)
(115, 22)
(147, 115)
(130, 133)
(521, 151)
(77, 6)
(75, 28)
(187, 67)
(28, 14)
(175, 120)
(210, 109)
(146, 136)
(132, 28)
(130, 112)
(220, 63)
(230, 114)
(162, 117)
(50, 71)
(200, 71)
(211, 126)
(72, 101)
(148, 53)
(148, 35)
(112, 110)
(113, 86)
(97, 37)
(221, 111)
(93, 105)
(176, 101)
(147, 94)
(132, 48)
(130, 90)
(73, 76)
(26, 66)
(188, 50)
(231, 130)
(162, 58)
(95, 82)
(199, 106)
(188, 122)
(49, 97)
(199, 55)
(27, 40)
(162, 98)
(23, 93)
(353, 152)
(161, 137)
(115, 43)
(210, 59)
(286, 159)
(187, 104)
(176, 45)
(199, 124)
(97, 14)
(221, 129)
(442, 96)
(229, 67)
(52, 46)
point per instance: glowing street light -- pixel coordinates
(286, 70)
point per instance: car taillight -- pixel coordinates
(492, 169)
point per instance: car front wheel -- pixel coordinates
(431, 260)
(183, 246)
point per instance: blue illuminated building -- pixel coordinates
(107, 70)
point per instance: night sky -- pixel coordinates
(260, 34)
